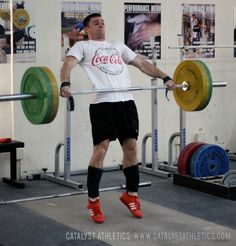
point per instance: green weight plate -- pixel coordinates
(35, 81)
(207, 99)
(55, 93)
(195, 75)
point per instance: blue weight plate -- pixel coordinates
(209, 160)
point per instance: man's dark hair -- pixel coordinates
(87, 18)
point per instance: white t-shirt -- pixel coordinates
(105, 65)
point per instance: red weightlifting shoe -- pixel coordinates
(133, 204)
(95, 211)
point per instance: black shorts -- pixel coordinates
(112, 120)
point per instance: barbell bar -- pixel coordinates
(185, 47)
(17, 97)
(40, 95)
(184, 86)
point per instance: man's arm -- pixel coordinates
(69, 63)
(152, 71)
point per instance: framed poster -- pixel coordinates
(24, 31)
(198, 28)
(72, 17)
(5, 32)
(142, 28)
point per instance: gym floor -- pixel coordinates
(173, 215)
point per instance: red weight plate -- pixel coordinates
(179, 163)
(185, 157)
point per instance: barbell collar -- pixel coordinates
(219, 84)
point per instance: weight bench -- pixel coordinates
(11, 147)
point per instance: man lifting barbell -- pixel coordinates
(40, 99)
(112, 115)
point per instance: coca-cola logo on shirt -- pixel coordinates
(108, 60)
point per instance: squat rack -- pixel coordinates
(65, 178)
(163, 169)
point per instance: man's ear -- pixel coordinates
(86, 30)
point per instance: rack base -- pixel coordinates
(210, 185)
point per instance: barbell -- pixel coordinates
(40, 95)
(21, 18)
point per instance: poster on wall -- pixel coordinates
(72, 17)
(5, 32)
(24, 31)
(235, 30)
(198, 28)
(142, 28)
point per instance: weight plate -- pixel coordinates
(208, 92)
(38, 110)
(209, 160)
(185, 157)
(229, 178)
(5, 15)
(205, 89)
(32, 32)
(21, 19)
(55, 93)
(195, 75)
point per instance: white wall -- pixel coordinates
(6, 126)
(217, 122)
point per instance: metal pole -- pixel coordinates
(201, 46)
(154, 128)
(182, 114)
(67, 142)
(81, 192)
(154, 108)
(144, 141)
(110, 90)
(57, 159)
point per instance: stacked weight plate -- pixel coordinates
(185, 157)
(209, 160)
(203, 160)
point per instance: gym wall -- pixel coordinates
(216, 124)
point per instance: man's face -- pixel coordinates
(96, 28)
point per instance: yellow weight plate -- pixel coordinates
(21, 19)
(195, 75)
(5, 15)
(55, 93)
